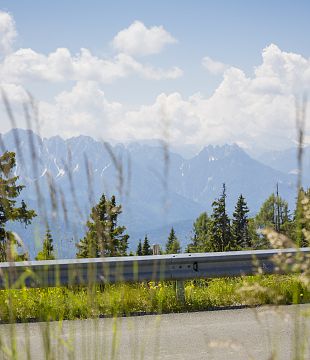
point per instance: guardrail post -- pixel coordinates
(156, 249)
(180, 291)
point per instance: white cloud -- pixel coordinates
(27, 65)
(254, 111)
(16, 94)
(213, 66)
(282, 72)
(83, 110)
(7, 32)
(60, 66)
(137, 39)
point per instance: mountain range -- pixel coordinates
(286, 160)
(157, 188)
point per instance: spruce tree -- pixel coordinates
(239, 228)
(219, 229)
(104, 237)
(173, 244)
(146, 248)
(200, 239)
(139, 248)
(119, 240)
(47, 253)
(9, 212)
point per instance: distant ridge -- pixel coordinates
(155, 193)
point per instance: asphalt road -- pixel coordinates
(227, 334)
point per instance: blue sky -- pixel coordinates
(232, 33)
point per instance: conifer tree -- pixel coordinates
(47, 252)
(146, 248)
(173, 244)
(9, 212)
(274, 213)
(298, 216)
(301, 222)
(104, 237)
(239, 228)
(219, 229)
(139, 248)
(200, 239)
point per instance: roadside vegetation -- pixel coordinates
(273, 226)
(141, 298)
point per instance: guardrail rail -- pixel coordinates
(140, 268)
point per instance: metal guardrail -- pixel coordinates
(139, 268)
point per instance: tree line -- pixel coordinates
(218, 232)
(105, 237)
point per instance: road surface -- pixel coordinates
(226, 334)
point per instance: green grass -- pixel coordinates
(128, 299)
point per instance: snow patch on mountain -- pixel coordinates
(44, 172)
(154, 193)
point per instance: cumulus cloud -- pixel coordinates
(7, 33)
(214, 67)
(85, 103)
(251, 110)
(282, 72)
(137, 39)
(83, 110)
(256, 110)
(60, 66)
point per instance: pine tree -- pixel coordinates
(219, 229)
(104, 237)
(200, 239)
(139, 249)
(119, 241)
(301, 223)
(146, 248)
(239, 228)
(173, 244)
(298, 219)
(9, 212)
(47, 253)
